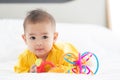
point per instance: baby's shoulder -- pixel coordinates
(67, 47)
(64, 45)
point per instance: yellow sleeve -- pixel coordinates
(21, 66)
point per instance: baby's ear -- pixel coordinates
(55, 36)
(24, 38)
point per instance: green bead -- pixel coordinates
(38, 62)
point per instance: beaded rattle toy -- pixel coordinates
(42, 64)
(80, 62)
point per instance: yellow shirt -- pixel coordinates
(27, 58)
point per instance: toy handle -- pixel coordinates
(41, 68)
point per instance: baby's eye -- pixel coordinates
(44, 37)
(32, 38)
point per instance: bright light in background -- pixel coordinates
(115, 15)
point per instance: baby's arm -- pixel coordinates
(21, 66)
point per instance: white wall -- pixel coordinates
(115, 16)
(76, 11)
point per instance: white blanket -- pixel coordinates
(86, 37)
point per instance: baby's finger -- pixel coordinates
(33, 69)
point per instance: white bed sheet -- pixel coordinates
(85, 37)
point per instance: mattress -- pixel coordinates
(86, 37)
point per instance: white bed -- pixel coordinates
(86, 37)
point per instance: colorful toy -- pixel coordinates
(80, 62)
(41, 65)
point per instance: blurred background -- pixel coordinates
(70, 11)
(99, 12)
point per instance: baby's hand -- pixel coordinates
(33, 69)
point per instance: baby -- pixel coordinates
(40, 36)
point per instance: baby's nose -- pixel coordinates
(39, 43)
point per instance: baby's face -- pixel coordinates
(39, 38)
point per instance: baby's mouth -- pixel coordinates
(39, 49)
